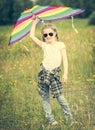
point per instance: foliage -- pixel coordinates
(92, 19)
(11, 9)
(20, 104)
(89, 5)
(49, 2)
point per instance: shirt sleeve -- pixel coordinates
(62, 45)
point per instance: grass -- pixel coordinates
(20, 104)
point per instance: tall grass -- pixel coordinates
(20, 104)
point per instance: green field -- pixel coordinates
(20, 103)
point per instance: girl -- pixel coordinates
(48, 77)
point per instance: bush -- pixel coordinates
(92, 19)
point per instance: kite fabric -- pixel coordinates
(44, 13)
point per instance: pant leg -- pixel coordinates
(65, 107)
(47, 106)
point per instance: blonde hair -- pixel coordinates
(53, 28)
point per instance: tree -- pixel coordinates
(92, 21)
(5, 9)
(11, 9)
(89, 5)
(49, 2)
(18, 7)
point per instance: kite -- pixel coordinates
(43, 13)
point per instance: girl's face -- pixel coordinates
(49, 35)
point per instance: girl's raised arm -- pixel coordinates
(32, 33)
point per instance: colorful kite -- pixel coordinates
(44, 13)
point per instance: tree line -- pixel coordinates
(88, 5)
(10, 9)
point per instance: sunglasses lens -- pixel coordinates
(45, 35)
(51, 34)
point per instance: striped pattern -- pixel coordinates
(24, 23)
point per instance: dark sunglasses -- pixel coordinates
(50, 34)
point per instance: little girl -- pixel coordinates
(48, 77)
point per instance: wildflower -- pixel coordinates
(89, 80)
(93, 75)
(15, 82)
(20, 65)
(79, 78)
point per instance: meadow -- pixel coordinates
(20, 103)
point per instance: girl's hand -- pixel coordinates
(64, 79)
(34, 18)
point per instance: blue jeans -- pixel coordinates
(63, 103)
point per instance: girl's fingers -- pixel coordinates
(34, 17)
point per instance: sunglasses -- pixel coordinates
(50, 34)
